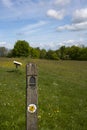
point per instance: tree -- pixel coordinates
(74, 52)
(3, 51)
(21, 48)
(35, 53)
(62, 52)
(52, 55)
(43, 54)
(83, 54)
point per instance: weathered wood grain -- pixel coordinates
(31, 81)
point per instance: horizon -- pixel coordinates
(78, 45)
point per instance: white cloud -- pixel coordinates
(5, 44)
(7, 3)
(2, 44)
(25, 9)
(61, 2)
(57, 45)
(47, 46)
(80, 15)
(73, 27)
(79, 19)
(74, 42)
(71, 42)
(31, 28)
(56, 14)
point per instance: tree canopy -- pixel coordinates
(21, 48)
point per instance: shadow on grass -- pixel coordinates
(14, 71)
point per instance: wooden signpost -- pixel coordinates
(17, 64)
(31, 79)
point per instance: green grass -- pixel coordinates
(62, 95)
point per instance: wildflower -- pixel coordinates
(55, 84)
(4, 104)
(57, 111)
(32, 108)
(39, 116)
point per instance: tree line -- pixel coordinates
(23, 49)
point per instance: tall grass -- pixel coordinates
(62, 95)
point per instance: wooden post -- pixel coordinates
(31, 79)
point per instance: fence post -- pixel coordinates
(31, 83)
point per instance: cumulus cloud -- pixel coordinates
(73, 27)
(56, 14)
(79, 21)
(80, 15)
(69, 43)
(56, 45)
(61, 2)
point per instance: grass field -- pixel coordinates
(62, 95)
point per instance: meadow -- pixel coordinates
(62, 94)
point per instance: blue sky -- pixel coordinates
(46, 24)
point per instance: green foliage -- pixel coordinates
(10, 53)
(73, 53)
(62, 52)
(3, 51)
(83, 54)
(52, 55)
(35, 53)
(43, 54)
(21, 48)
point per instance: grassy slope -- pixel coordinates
(62, 95)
